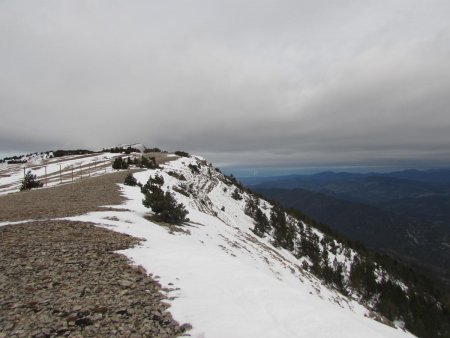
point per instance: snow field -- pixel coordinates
(223, 279)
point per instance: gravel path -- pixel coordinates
(62, 278)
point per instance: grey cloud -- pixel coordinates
(244, 83)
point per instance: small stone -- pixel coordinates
(100, 309)
(71, 320)
(96, 317)
(125, 283)
(44, 318)
(84, 322)
(122, 311)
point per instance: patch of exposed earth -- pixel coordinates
(80, 197)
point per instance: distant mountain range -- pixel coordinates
(404, 213)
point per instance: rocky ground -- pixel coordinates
(77, 198)
(62, 278)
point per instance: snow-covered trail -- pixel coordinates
(224, 280)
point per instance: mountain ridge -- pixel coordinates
(221, 237)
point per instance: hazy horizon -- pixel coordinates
(240, 172)
(259, 171)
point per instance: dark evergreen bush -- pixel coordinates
(130, 180)
(117, 164)
(157, 180)
(261, 223)
(195, 169)
(236, 195)
(279, 224)
(152, 150)
(163, 204)
(30, 182)
(251, 206)
(181, 190)
(149, 163)
(179, 176)
(182, 153)
(120, 163)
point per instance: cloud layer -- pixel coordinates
(258, 83)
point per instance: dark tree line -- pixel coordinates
(61, 153)
(140, 162)
(121, 150)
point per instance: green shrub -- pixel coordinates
(152, 150)
(130, 180)
(120, 163)
(179, 176)
(149, 163)
(195, 169)
(261, 223)
(236, 195)
(182, 189)
(182, 153)
(163, 204)
(30, 182)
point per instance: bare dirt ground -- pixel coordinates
(62, 278)
(77, 198)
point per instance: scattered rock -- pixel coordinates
(64, 279)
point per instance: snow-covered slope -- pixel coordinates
(54, 170)
(220, 276)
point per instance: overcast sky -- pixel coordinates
(257, 83)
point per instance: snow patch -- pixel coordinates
(223, 279)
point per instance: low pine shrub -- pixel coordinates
(30, 181)
(130, 180)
